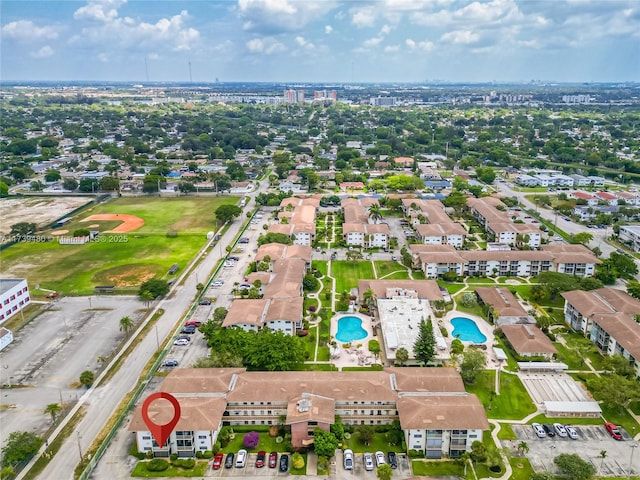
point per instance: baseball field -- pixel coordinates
(139, 238)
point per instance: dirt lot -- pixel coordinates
(39, 210)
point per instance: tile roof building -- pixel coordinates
(436, 414)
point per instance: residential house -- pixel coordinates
(587, 197)
(529, 341)
(609, 198)
(504, 307)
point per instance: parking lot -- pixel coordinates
(592, 439)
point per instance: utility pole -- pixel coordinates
(633, 448)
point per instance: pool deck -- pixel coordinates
(354, 356)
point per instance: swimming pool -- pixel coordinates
(350, 329)
(466, 330)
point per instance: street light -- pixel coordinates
(79, 446)
(633, 447)
(551, 448)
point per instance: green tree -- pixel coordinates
(425, 347)
(582, 238)
(53, 409)
(274, 238)
(52, 176)
(457, 347)
(70, 183)
(574, 467)
(473, 362)
(402, 355)
(384, 472)
(4, 190)
(109, 184)
(523, 447)
(365, 433)
(633, 288)
(486, 174)
(324, 443)
(542, 476)
(310, 283)
(337, 428)
(375, 213)
(369, 301)
(156, 287)
(36, 186)
(23, 228)
(126, 324)
(226, 213)
(235, 171)
(271, 351)
(20, 446)
(86, 378)
(374, 347)
(603, 455)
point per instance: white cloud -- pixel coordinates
(277, 16)
(424, 46)
(126, 33)
(372, 42)
(99, 10)
(392, 48)
(44, 52)
(385, 30)
(460, 37)
(267, 46)
(27, 31)
(328, 29)
(363, 17)
(304, 43)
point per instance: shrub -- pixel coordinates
(208, 453)
(198, 454)
(251, 440)
(173, 457)
(312, 308)
(347, 435)
(157, 465)
(468, 300)
(81, 232)
(415, 454)
(297, 461)
(279, 439)
(444, 332)
(186, 463)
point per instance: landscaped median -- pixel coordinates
(181, 467)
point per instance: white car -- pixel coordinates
(348, 459)
(241, 458)
(572, 432)
(380, 460)
(539, 430)
(560, 430)
(181, 341)
(368, 462)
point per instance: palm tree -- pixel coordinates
(402, 355)
(146, 297)
(523, 447)
(53, 409)
(126, 324)
(369, 299)
(603, 455)
(375, 213)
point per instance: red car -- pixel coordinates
(217, 461)
(273, 459)
(260, 460)
(613, 430)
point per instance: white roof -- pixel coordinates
(582, 407)
(500, 355)
(542, 366)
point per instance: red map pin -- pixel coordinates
(161, 432)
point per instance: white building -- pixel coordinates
(6, 337)
(14, 296)
(631, 234)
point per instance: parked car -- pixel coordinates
(380, 460)
(228, 462)
(540, 431)
(560, 430)
(572, 432)
(549, 429)
(235, 259)
(244, 286)
(241, 458)
(217, 461)
(262, 455)
(368, 462)
(184, 337)
(393, 460)
(244, 240)
(181, 342)
(170, 363)
(348, 459)
(195, 323)
(189, 330)
(284, 462)
(206, 301)
(273, 459)
(613, 430)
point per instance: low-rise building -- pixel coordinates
(14, 297)
(529, 341)
(436, 415)
(572, 259)
(606, 317)
(630, 234)
(504, 308)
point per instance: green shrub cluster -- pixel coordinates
(157, 465)
(185, 463)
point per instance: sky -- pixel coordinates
(322, 41)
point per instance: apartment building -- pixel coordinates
(630, 234)
(432, 224)
(431, 403)
(358, 229)
(436, 260)
(515, 234)
(277, 251)
(606, 316)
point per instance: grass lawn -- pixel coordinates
(399, 275)
(514, 401)
(437, 468)
(452, 288)
(323, 354)
(621, 418)
(347, 274)
(321, 265)
(318, 367)
(124, 260)
(481, 280)
(372, 368)
(199, 470)
(379, 442)
(583, 345)
(475, 310)
(266, 443)
(522, 469)
(385, 268)
(418, 275)
(310, 342)
(542, 418)
(506, 432)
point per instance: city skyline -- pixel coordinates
(321, 41)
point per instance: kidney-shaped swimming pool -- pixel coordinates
(350, 329)
(466, 330)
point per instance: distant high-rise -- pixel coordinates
(293, 96)
(325, 95)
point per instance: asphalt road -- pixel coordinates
(101, 402)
